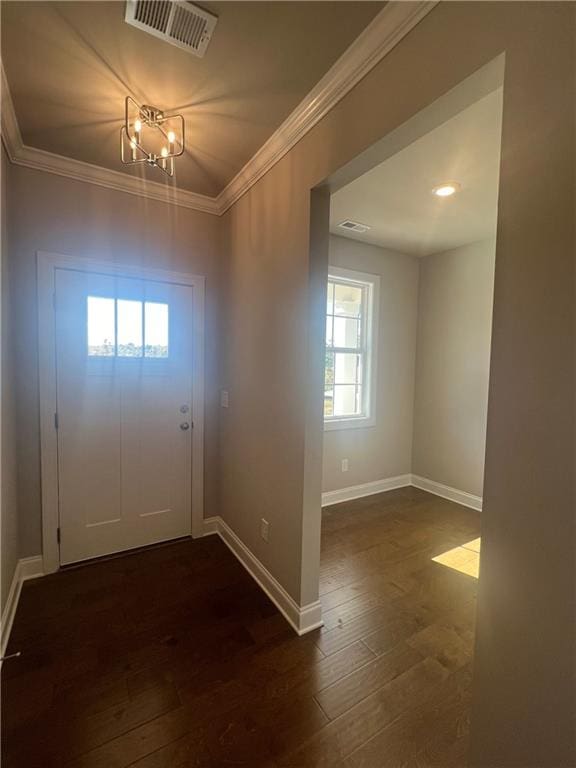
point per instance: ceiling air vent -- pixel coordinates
(175, 21)
(354, 226)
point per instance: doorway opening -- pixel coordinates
(408, 313)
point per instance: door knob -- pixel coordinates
(184, 425)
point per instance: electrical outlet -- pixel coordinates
(224, 398)
(344, 465)
(264, 529)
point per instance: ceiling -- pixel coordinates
(395, 198)
(70, 66)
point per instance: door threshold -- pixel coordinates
(123, 553)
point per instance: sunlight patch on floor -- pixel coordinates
(465, 558)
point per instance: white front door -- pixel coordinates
(124, 412)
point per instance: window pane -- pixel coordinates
(329, 326)
(346, 332)
(346, 368)
(329, 370)
(129, 328)
(155, 329)
(330, 299)
(329, 384)
(100, 326)
(347, 300)
(345, 400)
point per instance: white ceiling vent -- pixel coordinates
(354, 226)
(175, 21)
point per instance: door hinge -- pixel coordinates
(55, 421)
(58, 534)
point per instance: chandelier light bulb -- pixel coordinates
(164, 152)
(171, 140)
(137, 126)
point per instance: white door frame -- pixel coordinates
(47, 264)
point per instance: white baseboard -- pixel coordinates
(366, 489)
(303, 619)
(210, 525)
(31, 567)
(446, 492)
(402, 481)
(26, 568)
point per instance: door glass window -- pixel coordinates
(127, 328)
(101, 327)
(155, 329)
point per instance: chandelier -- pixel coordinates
(150, 136)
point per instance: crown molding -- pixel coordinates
(40, 160)
(385, 31)
(10, 129)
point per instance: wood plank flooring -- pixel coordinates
(172, 657)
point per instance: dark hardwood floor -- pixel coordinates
(173, 657)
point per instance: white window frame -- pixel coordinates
(369, 346)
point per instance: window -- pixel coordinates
(350, 349)
(127, 328)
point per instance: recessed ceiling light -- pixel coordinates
(447, 189)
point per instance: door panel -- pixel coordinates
(124, 375)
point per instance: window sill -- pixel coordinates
(360, 422)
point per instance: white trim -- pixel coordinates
(38, 159)
(9, 611)
(31, 567)
(384, 32)
(210, 526)
(26, 568)
(446, 492)
(302, 619)
(48, 263)
(365, 489)
(10, 128)
(402, 481)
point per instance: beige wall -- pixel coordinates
(51, 213)
(9, 550)
(433, 364)
(452, 366)
(523, 705)
(385, 449)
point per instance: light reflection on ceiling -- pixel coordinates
(70, 65)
